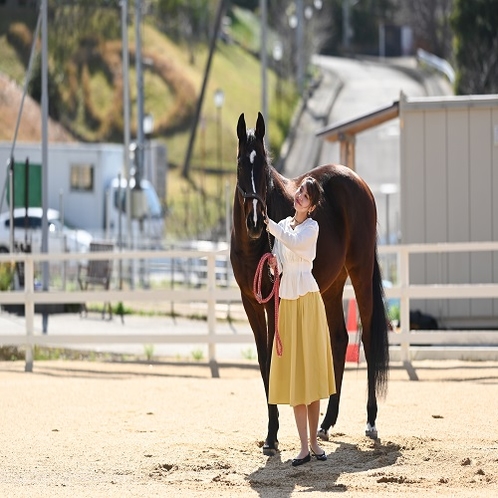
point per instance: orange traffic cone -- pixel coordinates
(353, 350)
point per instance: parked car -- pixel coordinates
(28, 231)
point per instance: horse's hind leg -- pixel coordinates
(339, 341)
(371, 306)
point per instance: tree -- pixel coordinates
(429, 20)
(354, 25)
(474, 25)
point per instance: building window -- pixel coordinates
(81, 178)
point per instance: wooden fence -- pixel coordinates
(213, 290)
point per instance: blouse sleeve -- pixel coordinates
(302, 242)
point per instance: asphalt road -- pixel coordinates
(350, 88)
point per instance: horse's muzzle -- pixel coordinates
(255, 231)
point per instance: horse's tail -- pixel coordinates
(379, 344)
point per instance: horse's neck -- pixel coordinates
(279, 199)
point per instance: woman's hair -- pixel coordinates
(315, 190)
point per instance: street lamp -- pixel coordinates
(278, 53)
(219, 99)
(297, 15)
(148, 126)
(293, 21)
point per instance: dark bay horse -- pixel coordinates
(347, 246)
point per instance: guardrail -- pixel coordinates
(437, 63)
(213, 293)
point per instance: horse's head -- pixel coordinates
(252, 175)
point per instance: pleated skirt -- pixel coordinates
(305, 371)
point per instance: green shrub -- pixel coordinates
(6, 276)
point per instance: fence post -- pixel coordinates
(29, 309)
(211, 304)
(404, 308)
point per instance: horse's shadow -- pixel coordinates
(323, 476)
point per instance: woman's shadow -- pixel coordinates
(322, 476)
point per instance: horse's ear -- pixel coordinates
(241, 129)
(260, 127)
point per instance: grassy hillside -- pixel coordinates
(89, 92)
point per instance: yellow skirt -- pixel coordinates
(305, 371)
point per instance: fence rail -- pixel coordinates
(213, 293)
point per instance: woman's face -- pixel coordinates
(302, 202)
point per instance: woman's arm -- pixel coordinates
(302, 242)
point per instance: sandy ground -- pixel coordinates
(92, 429)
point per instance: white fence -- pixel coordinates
(213, 293)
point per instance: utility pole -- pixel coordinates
(300, 46)
(264, 64)
(140, 94)
(44, 104)
(126, 114)
(346, 25)
(219, 15)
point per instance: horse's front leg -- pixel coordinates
(339, 342)
(270, 446)
(339, 353)
(263, 336)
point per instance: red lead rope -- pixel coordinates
(274, 292)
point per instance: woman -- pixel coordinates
(303, 373)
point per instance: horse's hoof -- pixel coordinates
(270, 451)
(323, 434)
(371, 431)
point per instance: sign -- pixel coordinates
(27, 185)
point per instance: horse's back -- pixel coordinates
(336, 177)
(349, 203)
(347, 219)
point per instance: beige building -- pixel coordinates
(449, 193)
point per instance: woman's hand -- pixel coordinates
(273, 264)
(266, 219)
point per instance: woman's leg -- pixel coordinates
(313, 416)
(301, 416)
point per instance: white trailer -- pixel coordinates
(83, 185)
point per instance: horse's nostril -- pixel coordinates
(253, 229)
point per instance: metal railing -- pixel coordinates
(213, 292)
(437, 63)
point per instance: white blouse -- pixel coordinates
(295, 249)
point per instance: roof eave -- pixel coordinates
(361, 123)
